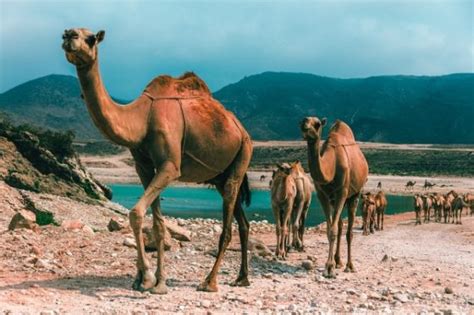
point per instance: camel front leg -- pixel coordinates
(145, 279)
(337, 256)
(276, 214)
(302, 226)
(340, 200)
(351, 208)
(285, 227)
(298, 212)
(382, 215)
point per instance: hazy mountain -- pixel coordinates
(400, 109)
(53, 101)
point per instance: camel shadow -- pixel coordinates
(86, 285)
(262, 266)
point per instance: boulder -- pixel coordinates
(72, 225)
(117, 224)
(258, 247)
(178, 232)
(23, 219)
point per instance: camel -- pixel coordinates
(418, 207)
(448, 206)
(469, 199)
(304, 189)
(427, 206)
(368, 213)
(380, 206)
(458, 206)
(410, 185)
(175, 130)
(262, 178)
(438, 205)
(379, 185)
(291, 197)
(428, 185)
(339, 171)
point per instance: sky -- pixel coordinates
(224, 41)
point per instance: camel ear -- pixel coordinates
(100, 36)
(324, 121)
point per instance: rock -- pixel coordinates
(87, 230)
(217, 229)
(36, 250)
(363, 297)
(150, 240)
(448, 290)
(130, 242)
(206, 303)
(117, 224)
(351, 291)
(41, 263)
(178, 232)
(72, 225)
(259, 248)
(307, 265)
(385, 258)
(401, 297)
(23, 219)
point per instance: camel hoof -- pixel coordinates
(160, 288)
(349, 269)
(145, 282)
(329, 273)
(207, 287)
(241, 282)
(338, 265)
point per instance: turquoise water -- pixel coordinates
(186, 202)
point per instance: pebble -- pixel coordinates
(206, 303)
(129, 242)
(401, 297)
(448, 290)
(307, 265)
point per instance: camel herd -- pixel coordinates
(176, 130)
(443, 206)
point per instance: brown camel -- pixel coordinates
(380, 206)
(339, 171)
(427, 206)
(283, 192)
(175, 130)
(409, 185)
(448, 206)
(291, 197)
(304, 189)
(368, 213)
(438, 205)
(458, 206)
(418, 207)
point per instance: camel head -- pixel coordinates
(312, 127)
(80, 46)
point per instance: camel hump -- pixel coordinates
(340, 132)
(187, 85)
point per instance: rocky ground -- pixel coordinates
(61, 268)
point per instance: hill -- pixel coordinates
(397, 109)
(53, 102)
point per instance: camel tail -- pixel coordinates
(245, 194)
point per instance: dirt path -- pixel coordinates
(58, 271)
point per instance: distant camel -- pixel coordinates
(428, 185)
(262, 178)
(339, 171)
(410, 185)
(427, 206)
(448, 206)
(368, 213)
(469, 199)
(458, 206)
(380, 206)
(418, 208)
(379, 185)
(438, 205)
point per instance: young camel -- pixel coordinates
(380, 206)
(427, 205)
(458, 206)
(418, 207)
(175, 130)
(368, 213)
(448, 206)
(438, 205)
(291, 197)
(339, 171)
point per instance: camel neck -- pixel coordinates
(123, 125)
(322, 168)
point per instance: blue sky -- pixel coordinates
(223, 41)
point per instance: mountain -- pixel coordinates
(398, 109)
(53, 101)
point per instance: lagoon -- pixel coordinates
(199, 202)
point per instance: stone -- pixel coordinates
(401, 297)
(70, 225)
(307, 265)
(150, 240)
(117, 224)
(258, 247)
(448, 290)
(351, 291)
(178, 232)
(206, 303)
(385, 258)
(23, 219)
(87, 230)
(130, 242)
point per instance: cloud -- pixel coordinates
(224, 41)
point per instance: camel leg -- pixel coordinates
(276, 214)
(337, 256)
(242, 280)
(302, 226)
(327, 207)
(372, 221)
(382, 215)
(165, 174)
(285, 227)
(352, 208)
(230, 192)
(298, 212)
